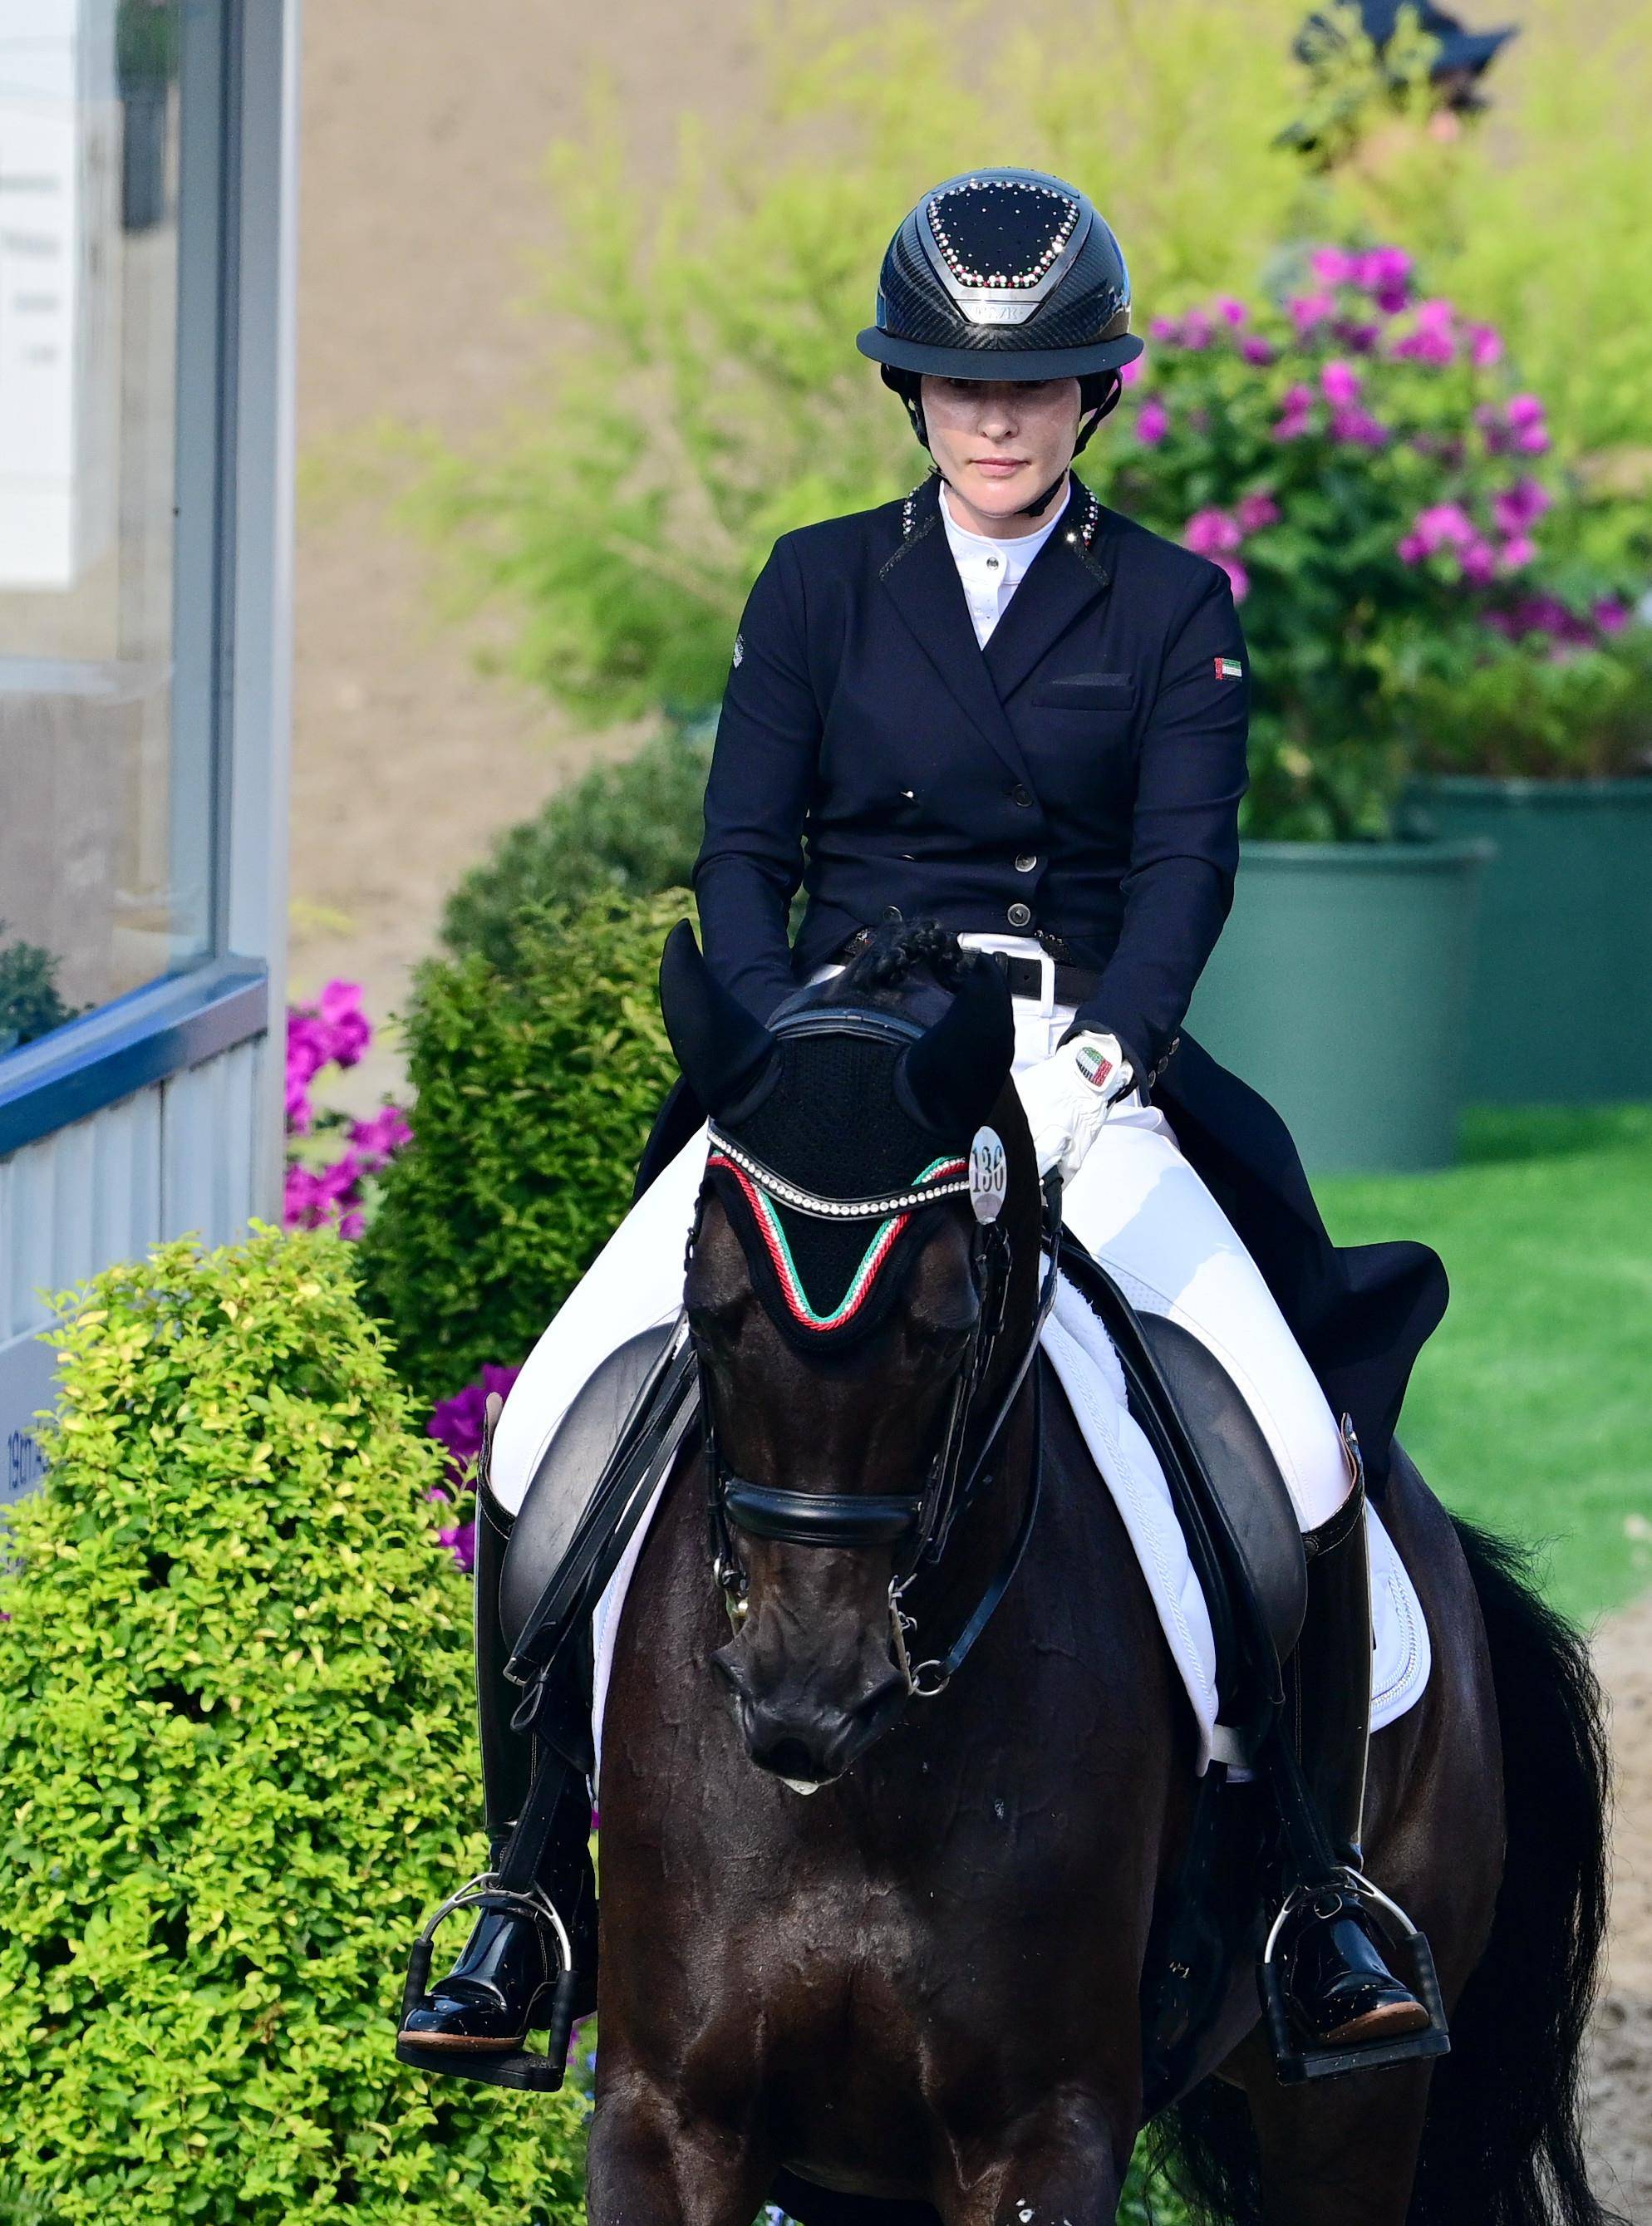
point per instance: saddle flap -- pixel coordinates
(1260, 1517)
(579, 1451)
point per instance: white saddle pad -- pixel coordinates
(1082, 1357)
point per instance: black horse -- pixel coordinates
(916, 1996)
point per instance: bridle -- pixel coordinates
(917, 1524)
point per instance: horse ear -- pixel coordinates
(722, 1050)
(953, 1073)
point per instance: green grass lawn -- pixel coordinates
(1530, 1409)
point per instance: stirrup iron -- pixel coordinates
(519, 2067)
(1295, 2059)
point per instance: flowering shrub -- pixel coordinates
(1358, 458)
(237, 1766)
(320, 1192)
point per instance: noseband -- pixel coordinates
(916, 1524)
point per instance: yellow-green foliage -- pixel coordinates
(236, 1765)
(712, 398)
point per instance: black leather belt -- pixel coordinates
(1073, 984)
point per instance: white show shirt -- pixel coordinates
(992, 570)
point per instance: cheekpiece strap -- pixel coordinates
(947, 1179)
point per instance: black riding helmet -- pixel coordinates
(1004, 274)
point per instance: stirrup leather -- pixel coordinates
(520, 2068)
(1295, 2060)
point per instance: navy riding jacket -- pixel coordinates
(1079, 778)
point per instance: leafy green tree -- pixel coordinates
(236, 1767)
(30, 1003)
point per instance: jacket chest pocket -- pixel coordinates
(1106, 698)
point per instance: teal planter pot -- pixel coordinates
(1340, 990)
(1564, 949)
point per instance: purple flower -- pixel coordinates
(1524, 416)
(1412, 548)
(1432, 337)
(1255, 511)
(1132, 372)
(1254, 349)
(1308, 311)
(1486, 347)
(378, 1140)
(1445, 525)
(1163, 328)
(1197, 330)
(1230, 309)
(1211, 532)
(1519, 551)
(1238, 578)
(460, 1542)
(1611, 614)
(1479, 562)
(352, 1033)
(1153, 421)
(1358, 426)
(1339, 383)
(457, 1423)
(1385, 273)
(1335, 266)
(1353, 333)
(1519, 507)
(1299, 404)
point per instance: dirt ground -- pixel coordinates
(424, 127)
(1620, 2081)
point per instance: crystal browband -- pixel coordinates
(838, 1209)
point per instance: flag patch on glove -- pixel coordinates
(1229, 668)
(1095, 1066)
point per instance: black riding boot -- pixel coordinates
(1338, 1989)
(511, 1976)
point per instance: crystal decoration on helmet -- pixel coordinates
(1001, 232)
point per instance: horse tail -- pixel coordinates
(1503, 2143)
(1504, 2140)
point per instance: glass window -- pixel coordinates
(105, 826)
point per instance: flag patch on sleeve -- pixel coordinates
(1229, 668)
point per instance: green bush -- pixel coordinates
(236, 1765)
(536, 1086)
(633, 827)
(30, 1003)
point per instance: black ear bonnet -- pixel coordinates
(835, 1105)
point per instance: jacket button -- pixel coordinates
(1026, 863)
(1021, 795)
(1019, 915)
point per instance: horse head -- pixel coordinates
(858, 1302)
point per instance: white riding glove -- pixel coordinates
(1066, 1098)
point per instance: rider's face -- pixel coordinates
(1000, 443)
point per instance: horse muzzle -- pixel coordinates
(808, 1731)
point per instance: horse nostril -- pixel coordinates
(790, 1758)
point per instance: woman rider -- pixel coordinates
(1002, 706)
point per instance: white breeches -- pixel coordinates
(1136, 1206)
